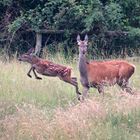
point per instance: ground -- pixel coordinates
(45, 109)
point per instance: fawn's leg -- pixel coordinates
(37, 77)
(30, 72)
(72, 81)
(75, 84)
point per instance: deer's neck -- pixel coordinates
(34, 60)
(83, 66)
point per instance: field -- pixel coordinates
(47, 109)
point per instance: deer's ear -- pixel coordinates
(30, 51)
(86, 38)
(78, 39)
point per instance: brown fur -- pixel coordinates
(101, 73)
(48, 68)
(110, 72)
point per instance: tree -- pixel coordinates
(113, 26)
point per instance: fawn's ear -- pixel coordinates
(30, 51)
(78, 39)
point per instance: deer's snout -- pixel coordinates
(84, 51)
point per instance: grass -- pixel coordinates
(47, 109)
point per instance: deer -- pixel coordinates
(48, 68)
(99, 74)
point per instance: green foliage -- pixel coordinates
(95, 17)
(6, 2)
(131, 9)
(134, 38)
(134, 33)
(114, 16)
(16, 24)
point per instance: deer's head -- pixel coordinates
(28, 57)
(82, 44)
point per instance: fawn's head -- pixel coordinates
(28, 57)
(82, 44)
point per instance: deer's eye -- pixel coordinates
(79, 43)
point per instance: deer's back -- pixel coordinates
(49, 68)
(109, 71)
(125, 69)
(98, 72)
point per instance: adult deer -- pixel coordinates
(99, 74)
(48, 68)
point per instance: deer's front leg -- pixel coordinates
(28, 74)
(37, 77)
(85, 84)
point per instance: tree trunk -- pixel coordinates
(38, 43)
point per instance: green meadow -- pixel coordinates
(47, 109)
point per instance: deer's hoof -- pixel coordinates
(79, 99)
(29, 75)
(39, 78)
(79, 93)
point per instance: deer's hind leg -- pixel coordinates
(72, 81)
(124, 84)
(100, 89)
(75, 84)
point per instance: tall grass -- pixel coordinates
(47, 109)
